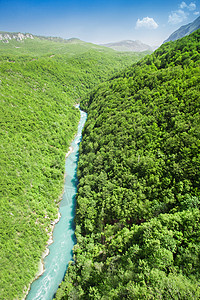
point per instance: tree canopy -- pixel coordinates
(39, 85)
(137, 215)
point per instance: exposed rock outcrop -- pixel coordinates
(5, 37)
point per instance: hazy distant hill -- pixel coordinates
(129, 45)
(60, 40)
(184, 30)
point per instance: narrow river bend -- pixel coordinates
(64, 239)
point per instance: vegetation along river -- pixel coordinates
(60, 254)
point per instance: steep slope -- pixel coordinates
(38, 121)
(184, 30)
(129, 45)
(137, 217)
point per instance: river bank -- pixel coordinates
(41, 266)
(58, 253)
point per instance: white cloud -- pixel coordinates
(196, 13)
(177, 17)
(192, 6)
(180, 15)
(183, 5)
(146, 23)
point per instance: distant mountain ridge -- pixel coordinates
(5, 37)
(184, 30)
(128, 45)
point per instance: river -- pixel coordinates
(60, 251)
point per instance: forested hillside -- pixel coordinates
(137, 216)
(39, 86)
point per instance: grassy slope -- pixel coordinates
(39, 46)
(138, 197)
(38, 121)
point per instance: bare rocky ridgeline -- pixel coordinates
(5, 37)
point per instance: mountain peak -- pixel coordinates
(128, 45)
(184, 30)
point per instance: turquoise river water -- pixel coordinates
(64, 239)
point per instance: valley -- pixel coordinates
(137, 212)
(41, 81)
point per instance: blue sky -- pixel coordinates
(98, 21)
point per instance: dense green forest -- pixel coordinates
(137, 215)
(40, 81)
